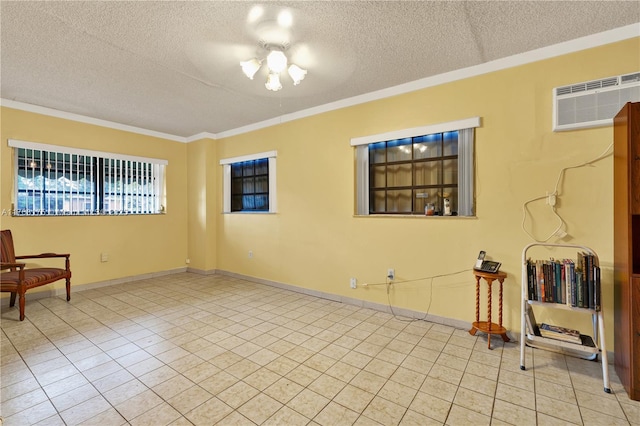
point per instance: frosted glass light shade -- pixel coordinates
(276, 61)
(250, 67)
(297, 74)
(273, 82)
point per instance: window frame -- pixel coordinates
(132, 166)
(226, 163)
(466, 172)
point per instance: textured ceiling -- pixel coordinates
(173, 67)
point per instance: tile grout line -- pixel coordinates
(149, 309)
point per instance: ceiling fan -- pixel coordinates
(277, 47)
(273, 29)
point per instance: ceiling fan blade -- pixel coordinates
(220, 56)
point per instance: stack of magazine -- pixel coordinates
(560, 333)
(551, 331)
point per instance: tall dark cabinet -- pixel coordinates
(626, 234)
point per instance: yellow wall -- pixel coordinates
(202, 187)
(136, 245)
(316, 242)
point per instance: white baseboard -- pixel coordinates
(407, 313)
(50, 292)
(404, 312)
(202, 271)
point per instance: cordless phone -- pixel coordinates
(486, 265)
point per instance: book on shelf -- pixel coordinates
(560, 333)
(569, 278)
(579, 288)
(597, 289)
(531, 280)
(575, 284)
(532, 325)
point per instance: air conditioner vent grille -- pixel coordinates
(593, 103)
(578, 88)
(609, 82)
(590, 85)
(630, 78)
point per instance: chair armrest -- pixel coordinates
(8, 265)
(66, 256)
(43, 255)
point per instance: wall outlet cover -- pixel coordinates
(391, 273)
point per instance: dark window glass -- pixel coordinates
(406, 175)
(250, 185)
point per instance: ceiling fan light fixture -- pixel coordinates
(250, 67)
(276, 61)
(297, 74)
(273, 82)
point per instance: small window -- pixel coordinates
(60, 181)
(249, 183)
(421, 171)
(250, 186)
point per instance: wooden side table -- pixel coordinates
(488, 326)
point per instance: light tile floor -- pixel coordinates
(189, 349)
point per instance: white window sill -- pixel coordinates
(411, 216)
(249, 212)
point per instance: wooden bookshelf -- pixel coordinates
(626, 247)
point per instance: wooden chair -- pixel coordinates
(19, 278)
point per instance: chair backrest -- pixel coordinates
(6, 246)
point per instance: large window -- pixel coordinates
(421, 171)
(249, 183)
(55, 181)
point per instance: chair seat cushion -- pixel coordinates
(32, 277)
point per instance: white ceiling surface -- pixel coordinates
(173, 67)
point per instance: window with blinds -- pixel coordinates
(58, 181)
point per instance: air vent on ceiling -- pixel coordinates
(593, 103)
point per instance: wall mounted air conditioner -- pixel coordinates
(593, 103)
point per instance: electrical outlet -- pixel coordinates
(353, 283)
(187, 261)
(104, 257)
(250, 254)
(391, 273)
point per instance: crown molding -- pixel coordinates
(571, 46)
(22, 106)
(564, 48)
(199, 136)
